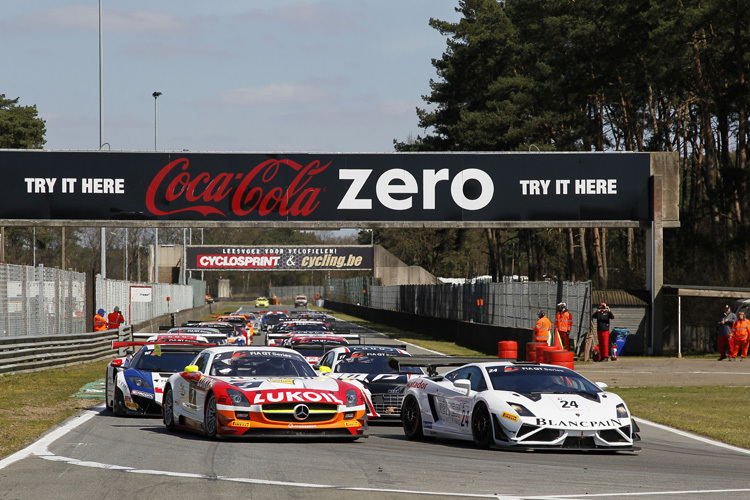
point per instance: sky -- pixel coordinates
(235, 75)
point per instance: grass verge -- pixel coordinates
(717, 412)
(31, 403)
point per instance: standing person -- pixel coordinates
(563, 324)
(115, 319)
(740, 331)
(603, 316)
(725, 339)
(542, 328)
(100, 323)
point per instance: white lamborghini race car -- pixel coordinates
(509, 404)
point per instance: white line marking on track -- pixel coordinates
(638, 494)
(39, 448)
(693, 436)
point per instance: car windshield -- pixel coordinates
(309, 349)
(165, 361)
(304, 328)
(315, 349)
(360, 362)
(539, 379)
(251, 363)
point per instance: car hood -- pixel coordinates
(370, 379)
(281, 383)
(292, 390)
(564, 409)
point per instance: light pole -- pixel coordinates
(155, 94)
(101, 79)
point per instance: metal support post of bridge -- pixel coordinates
(655, 266)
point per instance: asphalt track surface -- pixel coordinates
(98, 455)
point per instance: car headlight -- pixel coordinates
(351, 397)
(622, 412)
(521, 410)
(139, 382)
(238, 399)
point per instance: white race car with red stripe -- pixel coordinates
(258, 391)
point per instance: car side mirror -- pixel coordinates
(601, 385)
(324, 370)
(191, 369)
(463, 385)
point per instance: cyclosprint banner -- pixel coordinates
(279, 257)
(324, 187)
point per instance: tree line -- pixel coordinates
(592, 75)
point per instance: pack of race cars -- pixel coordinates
(313, 380)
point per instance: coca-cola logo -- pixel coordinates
(246, 192)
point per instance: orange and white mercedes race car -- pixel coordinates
(260, 391)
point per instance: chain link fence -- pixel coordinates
(38, 299)
(512, 305)
(352, 291)
(287, 294)
(165, 298)
(46, 301)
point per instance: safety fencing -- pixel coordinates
(351, 291)
(286, 294)
(46, 301)
(511, 305)
(40, 299)
(39, 352)
(141, 301)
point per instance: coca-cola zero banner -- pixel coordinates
(279, 257)
(320, 187)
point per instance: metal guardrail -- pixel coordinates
(34, 353)
(28, 353)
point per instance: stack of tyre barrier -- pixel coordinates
(541, 349)
(540, 352)
(558, 357)
(507, 349)
(531, 350)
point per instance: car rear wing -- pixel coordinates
(364, 342)
(170, 346)
(216, 337)
(431, 363)
(284, 335)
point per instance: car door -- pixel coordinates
(187, 389)
(454, 405)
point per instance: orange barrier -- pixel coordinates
(540, 351)
(531, 350)
(507, 349)
(559, 358)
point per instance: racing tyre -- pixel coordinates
(106, 394)
(210, 417)
(119, 407)
(167, 409)
(411, 418)
(481, 426)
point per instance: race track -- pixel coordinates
(98, 455)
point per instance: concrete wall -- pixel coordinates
(392, 271)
